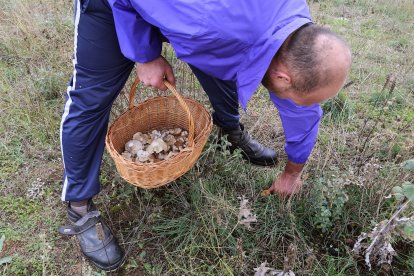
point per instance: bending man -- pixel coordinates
(231, 46)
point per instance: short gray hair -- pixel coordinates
(304, 57)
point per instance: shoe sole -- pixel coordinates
(111, 268)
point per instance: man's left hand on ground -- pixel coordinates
(288, 183)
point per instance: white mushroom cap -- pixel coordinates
(155, 134)
(138, 136)
(142, 156)
(133, 146)
(177, 131)
(157, 146)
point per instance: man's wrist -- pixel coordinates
(292, 168)
(149, 60)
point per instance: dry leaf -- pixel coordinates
(310, 260)
(263, 270)
(245, 214)
(290, 259)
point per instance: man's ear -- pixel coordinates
(280, 72)
(282, 76)
(281, 79)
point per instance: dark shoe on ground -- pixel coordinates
(252, 150)
(95, 238)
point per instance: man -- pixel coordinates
(231, 46)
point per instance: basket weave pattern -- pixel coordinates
(164, 112)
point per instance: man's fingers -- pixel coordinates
(160, 85)
(169, 75)
(154, 72)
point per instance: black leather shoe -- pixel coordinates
(252, 150)
(95, 238)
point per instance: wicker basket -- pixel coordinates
(159, 113)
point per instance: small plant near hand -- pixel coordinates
(329, 197)
(379, 248)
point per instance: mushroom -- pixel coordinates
(127, 155)
(184, 133)
(169, 139)
(161, 156)
(157, 146)
(165, 156)
(142, 156)
(138, 136)
(147, 138)
(151, 158)
(170, 154)
(179, 142)
(143, 138)
(133, 146)
(155, 134)
(164, 133)
(176, 131)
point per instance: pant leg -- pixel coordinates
(100, 72)
(223, 97)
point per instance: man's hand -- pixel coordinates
(288, 183)
(154, 72)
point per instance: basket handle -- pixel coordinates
(180, 100)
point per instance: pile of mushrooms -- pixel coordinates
(156, 145)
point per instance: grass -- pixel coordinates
(191, 227)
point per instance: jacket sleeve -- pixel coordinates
(139, 40)
(300, 124)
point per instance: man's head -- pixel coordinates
(310, 67)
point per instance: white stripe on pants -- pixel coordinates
(69, 89)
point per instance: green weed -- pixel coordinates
(339, 108)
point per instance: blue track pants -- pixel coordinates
(99, 73)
